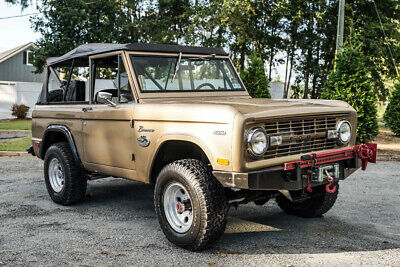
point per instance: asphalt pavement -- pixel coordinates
(117, 225)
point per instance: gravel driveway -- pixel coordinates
(117, 226)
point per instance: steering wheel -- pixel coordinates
(205, 84)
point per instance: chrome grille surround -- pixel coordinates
(301, 135)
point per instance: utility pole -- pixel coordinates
(340, 28)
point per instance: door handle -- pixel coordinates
(86, 109)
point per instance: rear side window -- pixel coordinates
(68, 83)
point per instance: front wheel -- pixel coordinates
(191, 204)
(318, 204)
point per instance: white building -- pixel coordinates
(276, 90)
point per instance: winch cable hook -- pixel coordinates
(328, 186)
(309, 189)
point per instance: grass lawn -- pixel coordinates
(15, 124)
(18, 144)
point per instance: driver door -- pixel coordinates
(107, 132)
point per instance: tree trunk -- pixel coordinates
(242, 56)
(290, 73)
(286, 74)
(271, 59)
(309, 57)
(307, 73)
(316, 73)
(324, 76)
(314, 84)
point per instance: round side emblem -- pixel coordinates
(143, 141)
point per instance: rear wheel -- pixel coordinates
(64, 179)
(191, 204)
(319, 203)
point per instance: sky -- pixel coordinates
(15, 31)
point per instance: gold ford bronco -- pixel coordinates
(180, 117)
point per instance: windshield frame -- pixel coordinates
(184, 93)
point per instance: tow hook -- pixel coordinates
(367, 153)
(328, 186)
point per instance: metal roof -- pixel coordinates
(12, 52)
(86, 50)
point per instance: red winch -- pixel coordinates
(366, 153)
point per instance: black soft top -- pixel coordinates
(86, 50)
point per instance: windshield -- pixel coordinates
(166, 74)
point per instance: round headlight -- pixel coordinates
(257, 142)
(344, 132)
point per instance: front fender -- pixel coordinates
(176, 137)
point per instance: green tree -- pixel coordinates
(299, 33)
(65, 24)
(165, 21)
(392, 113)
(254, 78)
(206, 24)
(361, 15)
(350, 82)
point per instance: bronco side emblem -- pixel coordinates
(143, 141)
(142, 129)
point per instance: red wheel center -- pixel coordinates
(179, 207)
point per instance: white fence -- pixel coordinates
(17, 93)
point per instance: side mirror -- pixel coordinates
(104, 98)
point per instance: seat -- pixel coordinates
(75, 91)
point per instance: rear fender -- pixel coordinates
(65, 131)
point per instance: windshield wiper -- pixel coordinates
(178, 63)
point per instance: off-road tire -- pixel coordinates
(209, 203)
(75, 183)
(313, 207)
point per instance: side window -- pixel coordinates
(29, 58)
(77, 81)
(111, 80)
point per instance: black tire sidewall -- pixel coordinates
(312, 207)
(55, 152)
(188, 238)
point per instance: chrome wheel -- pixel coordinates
(56, 175)
(178, 207)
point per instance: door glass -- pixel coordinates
(125, 95)
(111, 77)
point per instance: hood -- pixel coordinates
(261, 107)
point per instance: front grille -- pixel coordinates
(300, 136)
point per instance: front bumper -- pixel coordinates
(294, 175)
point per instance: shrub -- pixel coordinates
(254, 78)
(392, 113)
(349, 81)
(20, 111)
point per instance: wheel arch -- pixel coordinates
(58, 133)
(182, 148)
